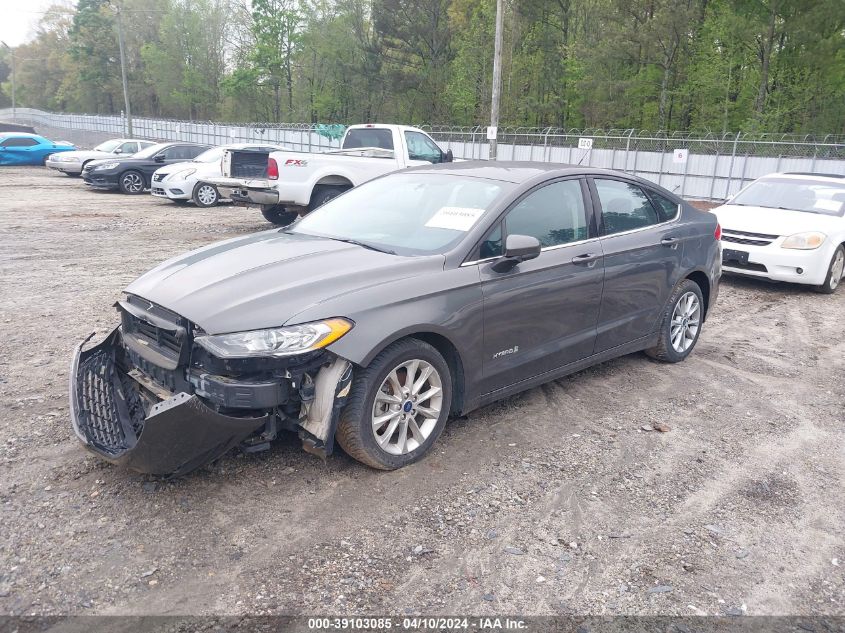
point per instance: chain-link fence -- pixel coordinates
(702, 166)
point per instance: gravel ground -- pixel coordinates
(556, 501)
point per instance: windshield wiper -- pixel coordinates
(363, 245)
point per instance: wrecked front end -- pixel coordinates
(151, 399)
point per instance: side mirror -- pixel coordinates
(518, 248)
(117, 151)
(448, 157)
(159, 158)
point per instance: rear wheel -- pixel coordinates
(132, 182)
(278, 215)
(680, 325)
(205, 195)
(322, 194)
(834, 272)
(398, 406)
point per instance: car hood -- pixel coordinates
(774, 221)
(265, 279)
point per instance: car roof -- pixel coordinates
(518, 172)
(838, 179)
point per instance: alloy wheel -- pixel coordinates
(686, 319)
(133, 183)
(407, 406)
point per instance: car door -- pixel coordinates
(643, 251)
(21, 150)
(541, 314)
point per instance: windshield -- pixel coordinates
(151, 151)
(108, 146)
(808, 196)
(410, 214)
(210, 155)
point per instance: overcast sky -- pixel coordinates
(19, 17)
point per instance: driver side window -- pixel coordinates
(554, 214)
(420, 147)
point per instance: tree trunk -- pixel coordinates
(765, 61)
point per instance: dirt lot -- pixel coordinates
(552, 502)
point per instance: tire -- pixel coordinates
(834, 272)
(205, 195)
(278, 215)
(322, 194)
(131, 182)
(356, 431)
(682, 317)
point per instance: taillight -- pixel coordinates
(272, 169)
(718, 232)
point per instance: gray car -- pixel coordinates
(418, 296)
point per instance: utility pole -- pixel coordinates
(497, 81)
(123, 71)
(14, 100)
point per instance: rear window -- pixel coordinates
(368, 137)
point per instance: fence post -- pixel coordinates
(628, 148)
(731, 167)
(715, 175)
(684, 177)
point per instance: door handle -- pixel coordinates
(670, 241)
(588, 258)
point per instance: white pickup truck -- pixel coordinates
(287, 184)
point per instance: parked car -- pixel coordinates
(72, 163)
(287, 184)
(787, 227)
(20, 148)
(133, 174)
(418, 295)
(183, 182)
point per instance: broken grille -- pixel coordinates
(110, 412)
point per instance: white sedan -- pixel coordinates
(787, 227)
(183, 182)
(72, 163)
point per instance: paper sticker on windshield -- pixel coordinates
(827, 205)
(455, 218)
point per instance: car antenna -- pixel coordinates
(585, 156)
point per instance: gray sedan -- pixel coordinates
(418, 296)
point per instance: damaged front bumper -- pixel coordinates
(173, 437)
(120, 413)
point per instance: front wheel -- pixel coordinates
(132, 182)
(278, 215)
(834, 272)
(398, 406)
(205, 195)
(680, 325)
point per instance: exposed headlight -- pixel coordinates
(283, 341)
(109, 165)
(804, 241)
(180, 175)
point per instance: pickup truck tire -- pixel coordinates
(363, 430)
(322, 194)
(278, 215)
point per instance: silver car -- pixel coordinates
(72, 163)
